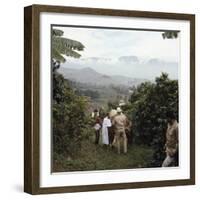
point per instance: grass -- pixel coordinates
(99, 157)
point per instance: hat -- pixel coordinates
(119, 109)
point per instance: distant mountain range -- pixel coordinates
(90, 76)
(131, 66)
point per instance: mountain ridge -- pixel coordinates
(90, 76)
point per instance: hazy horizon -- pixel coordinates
(136, 54)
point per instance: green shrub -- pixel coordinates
(69, 119)
(150, 104)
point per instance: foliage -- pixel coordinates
(150, 104)
(90, 93)
(113, 104)
(68, 108)
(170, 34)
(64, 46)
(68, 117)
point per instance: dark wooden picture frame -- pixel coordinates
(32, 93)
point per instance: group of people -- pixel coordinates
(115, 128)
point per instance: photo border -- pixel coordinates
(32, 98)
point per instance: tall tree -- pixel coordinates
(68, 108)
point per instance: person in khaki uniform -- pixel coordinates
(119, 122)
(171, 145)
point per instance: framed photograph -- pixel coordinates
(109, 99)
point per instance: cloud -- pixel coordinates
(128, 59)
(115, 43)
(137, 53)
(96, 59)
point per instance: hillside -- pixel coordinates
(90, 76)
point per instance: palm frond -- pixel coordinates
(57, 56)
(68, 43)
(57, 32)
(64, 46)
(67, 46)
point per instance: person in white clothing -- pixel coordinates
(106, 124)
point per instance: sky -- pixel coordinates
(134, 53)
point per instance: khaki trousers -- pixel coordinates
(120, 135)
